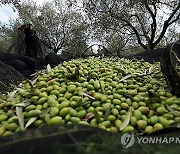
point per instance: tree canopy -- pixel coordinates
(69, 25)
(146, 20)
(56, 24)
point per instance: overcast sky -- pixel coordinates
(6, 12)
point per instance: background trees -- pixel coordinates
(146, 20)
(69, 25)
(59, 27)
(56, 24)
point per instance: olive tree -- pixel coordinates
(57, 25)
(148, 21)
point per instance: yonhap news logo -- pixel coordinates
(128, 140)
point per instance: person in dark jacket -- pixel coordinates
(31, 39)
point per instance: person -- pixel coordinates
(31, 39)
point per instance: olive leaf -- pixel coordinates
(77, 74)
(146, 72)
(24, 103)
(20, 115)
(48, 69)
(34, 81)
(176, 113)
(125, 78)
(96, 116)
(17, 99)
(150, 70)
(87, 102)
(12, 94)
(80, 101)
(30, 122)
(107, 113)
(88, 116)
(44, 112)
(88, 96)
(36, 73)
(69, 70)
(102, 87)
(20, 104)
(31, 85)
(127, 95)
(126, 120)
(138, 74)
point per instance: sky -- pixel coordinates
(7, 13)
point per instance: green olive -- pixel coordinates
(141, 124)
(149, 130)
(128, 129)
(57, 120)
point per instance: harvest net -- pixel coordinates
(18, 46)
(8, 76)
(80, 139)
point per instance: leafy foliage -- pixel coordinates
(59, 27)
(67, 26)
(141, 22)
